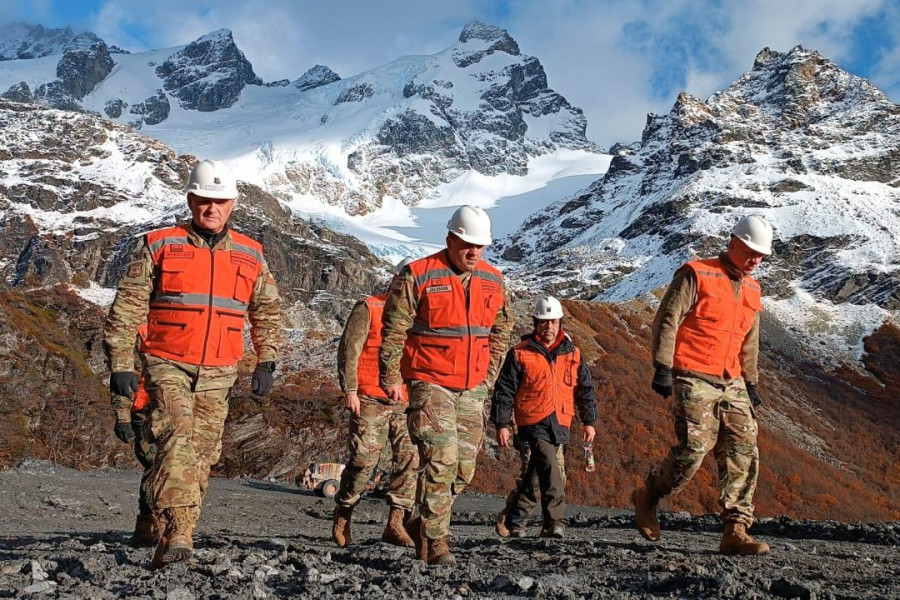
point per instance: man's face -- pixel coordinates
(210, 214)
(547, 330)
(743, 257)
(463, 255)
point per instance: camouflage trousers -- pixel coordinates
(145, 452)
(377, 423)
(448, 428)
(189, 404)
(713, 417)
(524, 501)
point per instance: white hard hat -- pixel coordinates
(212, 179)
(399, 267)
(547, 307)
(471, 224)
(755, 232)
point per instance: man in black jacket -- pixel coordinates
(543, 380)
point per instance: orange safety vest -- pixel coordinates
(367, 370)
(198, 306)
(141, 397)
(546, 387)
(449, 342)
(712, 334)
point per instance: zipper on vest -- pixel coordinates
(469, 333)
(212, 280)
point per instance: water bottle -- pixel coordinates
(589, 465)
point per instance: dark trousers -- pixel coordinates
(545, 465)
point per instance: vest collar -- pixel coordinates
(209, 238)
(732, 271)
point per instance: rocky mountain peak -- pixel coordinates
(497, 37)
(315, 77)
(479, 40)
(797, 88)
(209, 73)
(23, 41)
(83, 42)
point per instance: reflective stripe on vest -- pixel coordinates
(367, 370)
(545, 387)
(201, 297)
(712, 334)
(449, 341)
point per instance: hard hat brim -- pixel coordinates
(766, 251)
(473, 239)
(212, 195)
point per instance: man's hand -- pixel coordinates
(503, 437)
(123, 383)
(662, 381)
(755, 398)
(395, 392)
(122, 429)
(351, 401)
(589, 433)
(262, 378)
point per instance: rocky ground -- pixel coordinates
(64, 535)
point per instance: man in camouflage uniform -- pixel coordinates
(705, 350)
(194, 284)
(446, 328)
(131, 416)
(375, 419)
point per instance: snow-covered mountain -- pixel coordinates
(76, 190)
(396, 135)
(811, 147)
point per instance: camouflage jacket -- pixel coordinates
(132, 304)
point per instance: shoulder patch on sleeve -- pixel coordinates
(135, 270)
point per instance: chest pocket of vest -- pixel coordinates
(751, 306)
(173, 277)
(492, 305)
(243, 283)
(710, 308)
(435, 310)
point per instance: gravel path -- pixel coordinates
(63, 534)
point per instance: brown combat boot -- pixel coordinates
(394, 533)
(416, 532)
(500, 527)
(144, 535)
(340, 533)
(439, 553)
(735, 540)
(176, 543)
(645, 513)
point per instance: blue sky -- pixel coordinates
(616, 59)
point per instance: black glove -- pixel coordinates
(262, 378)
(662, 381)
(123, 383)
(124, 432)
(755, 398)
